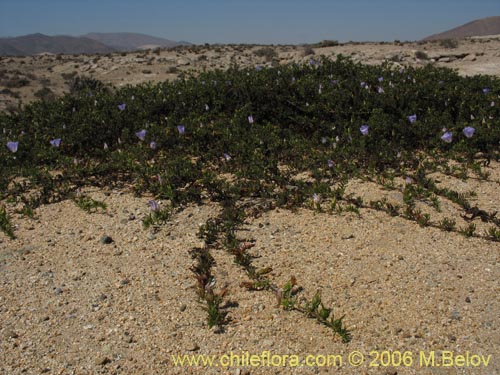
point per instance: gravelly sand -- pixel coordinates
(71, 305)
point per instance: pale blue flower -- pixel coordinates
(141, 134)
(12, 146)
(122, 106)
(250, 119)
(469, 131)
(55, 142)
(153, 145)
(364, 129)
(447, 137)
(181, 129)
(154, 205)
(412, 118)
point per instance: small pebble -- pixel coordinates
(10, 334)
(101, 361)
(193, 347)
(106, 240)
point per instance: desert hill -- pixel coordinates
(90, 43)
(39, 43)
(131, 41)
(481, 27)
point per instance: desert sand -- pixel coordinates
(70, 304)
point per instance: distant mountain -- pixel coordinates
(131, 41)
(481, 27)
(38, 43)
(90, 43)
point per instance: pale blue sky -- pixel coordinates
(238, 21)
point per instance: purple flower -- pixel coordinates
(447, 137)
(363, 84)
(364, 129)
(316, 198)
(181, 129)
(122, 106)
(380, 90)
(250, 119)
(154, 205)
(12, 146)
(55, 142)
(153, 145)
(141, 134)
(258, 68)
(330, 163)
(227, 157)
(486, 90)
(380, 79)
(469, 131)
(412, 118)
(408, 180)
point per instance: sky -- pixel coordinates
(238, 21)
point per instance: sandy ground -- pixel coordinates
(72, 305)
(22, 78)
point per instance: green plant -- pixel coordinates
(421, 55)
(5, 224)
(157, 217)
(449, 43)
(268, 53)
(493, 233)
(469, 230)
(316, 309)
(89, 204)
(448, 224)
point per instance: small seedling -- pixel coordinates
(469, 230)
(216, 315)
(493, 233)
(88, 204)
(448, 224)
(158, 216)
(5, 224)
